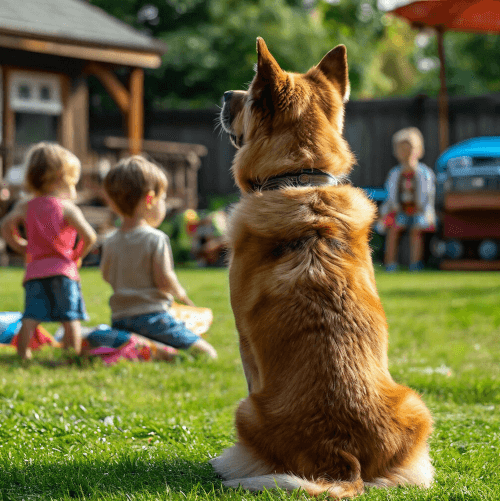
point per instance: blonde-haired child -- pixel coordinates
(52, 222)
(137, 259)
(410, 202)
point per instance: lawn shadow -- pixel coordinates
(92, 478)
(9, 358)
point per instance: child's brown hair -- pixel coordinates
(130, 180)
(411, 135)
(49, 163)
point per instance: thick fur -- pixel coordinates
(323, 413)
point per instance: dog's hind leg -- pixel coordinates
(238, 461)
(418, 470)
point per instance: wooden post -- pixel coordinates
(66, 124)
(443, 116)
(112, 85)
(8, 123)
(80, 105)
(136, 111)
(179, 178)
(192, 180)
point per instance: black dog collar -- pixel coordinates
(309, 177)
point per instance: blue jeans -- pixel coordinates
(54, 299)
(159, 326)
(414, 221)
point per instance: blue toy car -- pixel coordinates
(472, 165)
(468, 200)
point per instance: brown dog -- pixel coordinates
(323, 413)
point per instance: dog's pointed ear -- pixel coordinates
(334, 67)
(268, 70)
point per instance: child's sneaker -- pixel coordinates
(417, 266)
(391, 268)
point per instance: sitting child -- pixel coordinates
(410, 202)
(52, 222)
(137, 260)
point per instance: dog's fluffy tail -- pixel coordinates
(240, 468)
(336, 490)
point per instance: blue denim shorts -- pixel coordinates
(159, 326)
(415, 221)
(54, 299)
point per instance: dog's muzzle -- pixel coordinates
(225, 114)
(226, 119)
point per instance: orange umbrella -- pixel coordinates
(452, 15)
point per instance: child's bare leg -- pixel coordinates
(164, 355)
(72, 336)
(391, 245)
(23, 339)
(417, 245)
(201, 346)
(159, 351)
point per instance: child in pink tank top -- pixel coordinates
(52, 222)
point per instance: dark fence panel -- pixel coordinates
(369, 126)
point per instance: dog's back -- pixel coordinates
(323, 412)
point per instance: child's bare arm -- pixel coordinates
(75, 217)
(166, 280)
(10, 227)
(104, 265)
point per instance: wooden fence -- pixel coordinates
(369, 126)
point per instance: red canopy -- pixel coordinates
(450, 15)
(454, 15)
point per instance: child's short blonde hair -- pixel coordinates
(49, 163)
(413, 136)
(130, 181)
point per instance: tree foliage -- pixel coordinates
(211, 47)
(471, 62)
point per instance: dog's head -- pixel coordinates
(289, 121)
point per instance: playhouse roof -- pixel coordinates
(70, 23)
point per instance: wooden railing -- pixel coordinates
(180, 162)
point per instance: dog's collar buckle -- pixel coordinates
(310, 177)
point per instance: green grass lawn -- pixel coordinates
(145, 431)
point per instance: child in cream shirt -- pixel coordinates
(137, 259)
